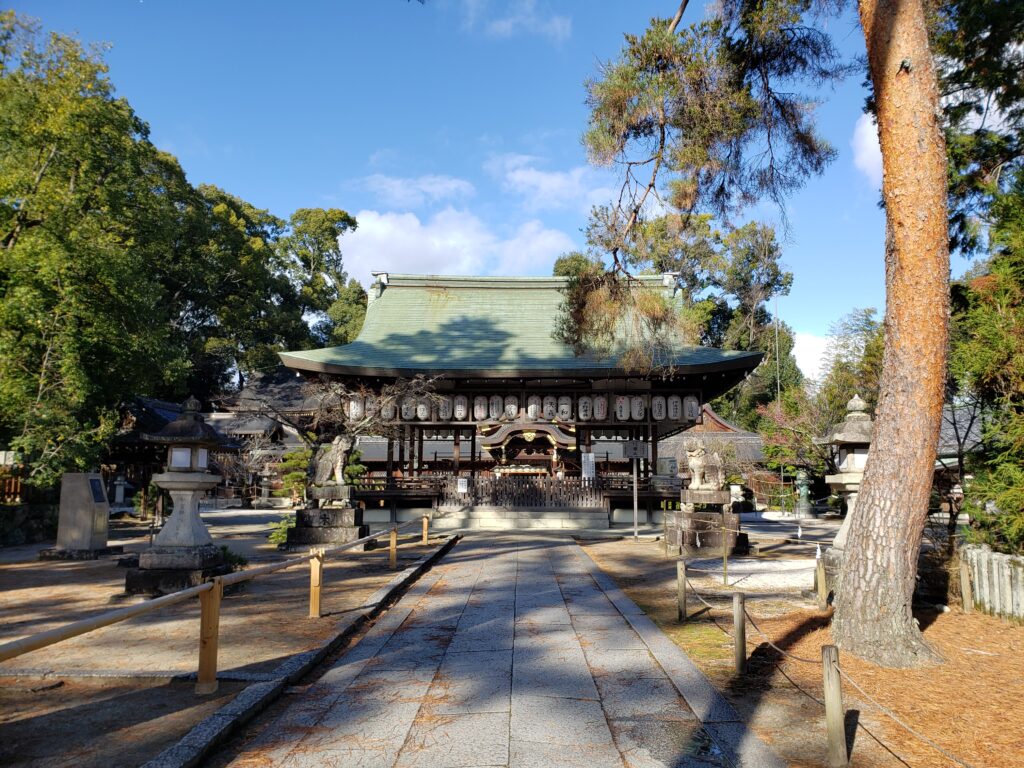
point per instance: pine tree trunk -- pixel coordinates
(873, 616)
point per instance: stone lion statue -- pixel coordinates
(705, 470)
(329, 461)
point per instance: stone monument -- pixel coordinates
(849, 443)
(706, 509)
(183, 553)
(330, 518)
(84, 519)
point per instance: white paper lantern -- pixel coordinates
(658, 409)
(533, 407)
(495, 407)
(479, 408)
(355, 407)
(550, 407)
(585, 408)
(674, 404)
(637, 407)
(691, 408)
(408, 408)
(460, 408)
(511, 407)
(444, 409)
(621, 408)
(389, 410)
(600, 407)
(564, 408)
(372, 405)
(423, 410)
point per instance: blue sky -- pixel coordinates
(450, 129)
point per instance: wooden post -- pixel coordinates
(725, 554)
(681, 589)
(419, 450)
(209, 635)
(316, 580)
(472, 452)
(739, 629)
(456, 452)
(426, 528)
(393, 550)
(966, 593)
(822, 587)
(835, 718)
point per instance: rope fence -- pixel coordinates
(832, 673)
(210, 594)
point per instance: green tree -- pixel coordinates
(81, 324)
(346, 314)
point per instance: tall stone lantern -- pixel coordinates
(849, 442)
(183, 553)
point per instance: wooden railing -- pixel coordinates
(210, 594)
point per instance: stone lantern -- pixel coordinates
(849, 442)
(183, 553)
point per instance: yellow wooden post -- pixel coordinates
(426, 527)
(316, 580)
(393, 550)
(209, 633)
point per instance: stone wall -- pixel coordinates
(997, 581)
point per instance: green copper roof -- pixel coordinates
(484, 326)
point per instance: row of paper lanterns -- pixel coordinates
(547, 408)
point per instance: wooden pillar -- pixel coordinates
(401, 448)
(209, 637)
(419, 450)
(456, 452)
(472, 453)
(654, 449)
(391, 459)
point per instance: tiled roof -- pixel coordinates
(489, 326)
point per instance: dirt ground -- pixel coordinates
(970, 705)
(261, 625)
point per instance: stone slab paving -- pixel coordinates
(515, 651)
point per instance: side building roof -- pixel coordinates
(482, 327)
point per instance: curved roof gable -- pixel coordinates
(479, 326)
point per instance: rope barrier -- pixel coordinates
(768, 640)
(892, 716)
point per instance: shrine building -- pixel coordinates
(520, 420)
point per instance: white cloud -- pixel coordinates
(867, 156)
(413, 192)
(451, 242)
(508, 19)
(578, 188)
(809, 350)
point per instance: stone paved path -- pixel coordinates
(515, 651)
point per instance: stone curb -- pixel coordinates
(738, 743)
(212, 731)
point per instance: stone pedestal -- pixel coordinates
(702, 517)
(326, 526)
(183, 553)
